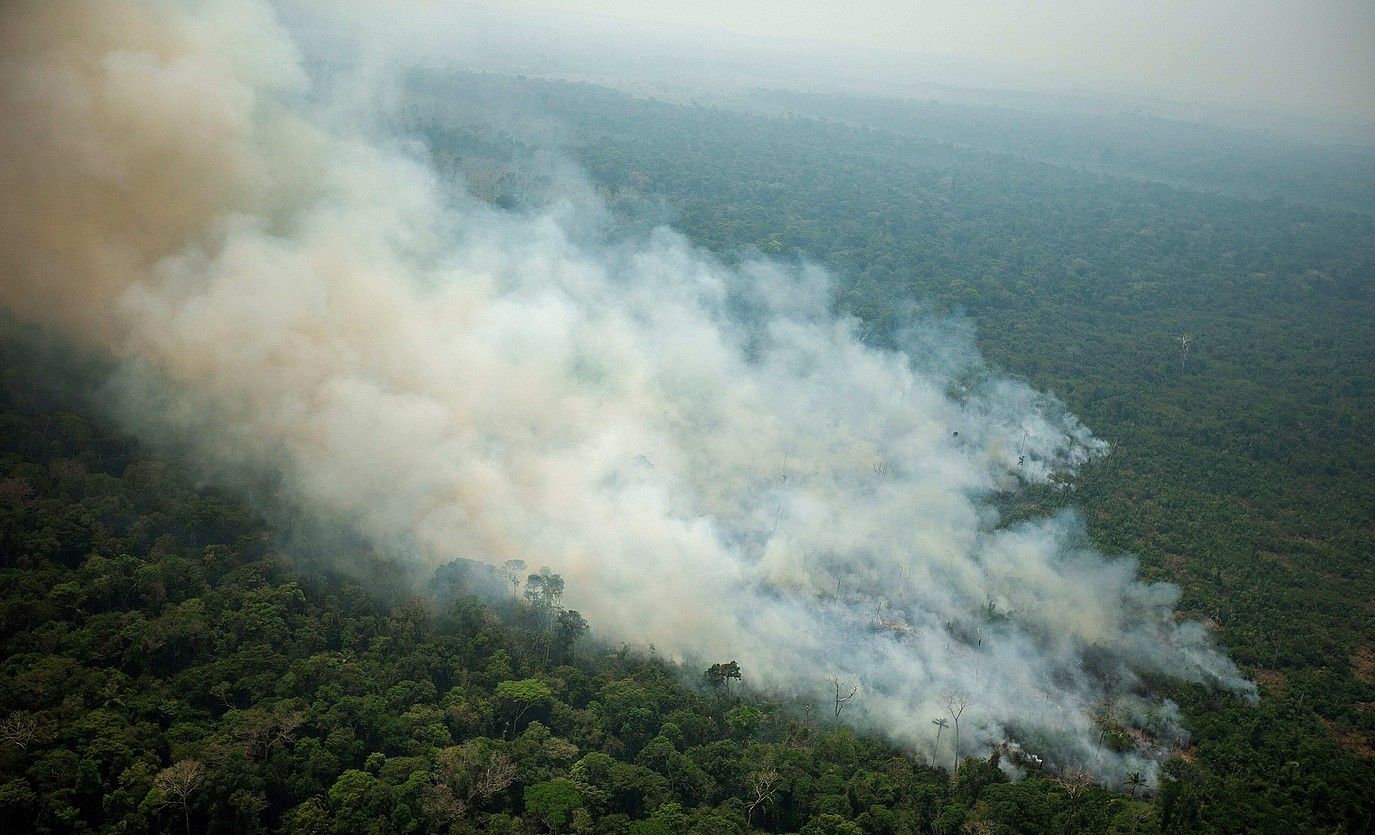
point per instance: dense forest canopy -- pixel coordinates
(1254, 441)
(1243, 466)
(1125, 142)
(183, 653)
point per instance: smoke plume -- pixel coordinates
(715, 462)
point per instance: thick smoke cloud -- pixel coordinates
(717, 464)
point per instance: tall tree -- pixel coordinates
(177, 783)
(941, 724)
(719, 675)
(838, 687)
(513, 569)
(956, 701)
(519, 696)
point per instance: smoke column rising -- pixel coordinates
(716, 463)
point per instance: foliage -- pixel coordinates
(166, 667)
(1082, 249)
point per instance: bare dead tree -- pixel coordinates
(261, 731)
(19, 729)
(284, 733)
(177, 783)
(1075, 781)
(495, 776)
(764, 784)
(437, 799)
(222, 691)
(473, 774)
(956, 701)
(838, 687)
(796, 737)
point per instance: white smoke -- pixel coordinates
(715, 463)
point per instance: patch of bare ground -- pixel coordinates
(1350, 739)
(1284, 560)
(1272, 680)
(1175, 562)
(1363, 665)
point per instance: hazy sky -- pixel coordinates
(1306, 56)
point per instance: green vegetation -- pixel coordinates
(1243, 467)
(168, 668)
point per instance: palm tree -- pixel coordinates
(941, 725)
(1135, 781)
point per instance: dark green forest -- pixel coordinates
(174, 661)
(1251, 163)
(1243, 466)
(169, 667)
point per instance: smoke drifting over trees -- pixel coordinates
(302, 300)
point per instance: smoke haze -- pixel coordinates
(717, 464)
